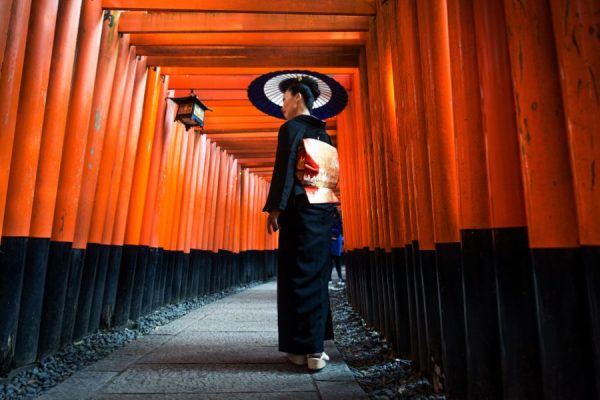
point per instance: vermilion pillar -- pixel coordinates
(411, 114)
(51, 147)
(435, 60)
(10, 84)
(23, 171)
(119, 291)
(576, 30)
(103, 88)
(553, 231)
(482, 339)
(514, 284)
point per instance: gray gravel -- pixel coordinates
(370, 357)
(31, 381)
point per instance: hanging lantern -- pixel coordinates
(190, 111)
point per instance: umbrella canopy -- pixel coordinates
(265, 94)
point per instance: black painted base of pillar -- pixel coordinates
(139, 281)
(55, 291)
(449, 272)
(125, 287)
(481, 312)
(12, 258)
(563, 321)
(591, 264)
(110, 290)
(521, 378)
(73, 289)
(32, 297)
(86, 291)
(431, 313)
(401, 301)
(99, 287)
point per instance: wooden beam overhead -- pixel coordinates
(342, 7)
(249, 39)
(154, 22)
(245, 51)
(271, 61)
(245, 70)
(231, 82)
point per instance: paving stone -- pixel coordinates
(231, 338)
(79, 386)
(185, 378)
(195, 354)
(211, 396)
(226, 325)
(340, 390)
(176, 326)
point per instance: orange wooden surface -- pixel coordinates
(122, 141)
(199, 189)
(576, 27)
(468, 126)
(10, 83)
(149, 236)
(206, 193)
(400, 89)
(133, 134)
(221, 203)
(112, 136)
(350, 7)
(30, 118)
(78, 119)
(167, 131)
(237, 210)
(249, 226)
(55, 118)
(213, 198)
(255, 70)
(394, 151)
(498, 116)
(167, 206)
(230, 220)
(5, 11)
(373, 213)
(360, 152)
(186, 181)
(142, 159)
(546, 169)
(435, 60)
(298, 61)
(179, 165)
(241, 22)
(249, 38)
(101, 102)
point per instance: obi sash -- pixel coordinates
(318, 170)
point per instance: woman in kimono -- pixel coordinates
(304, 260)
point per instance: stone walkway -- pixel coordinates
(225, 350)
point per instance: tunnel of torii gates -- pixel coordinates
(470, 173)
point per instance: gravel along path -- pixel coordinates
(31, 381)
(367, 353)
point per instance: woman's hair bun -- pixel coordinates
(311, 83)
(308, 81)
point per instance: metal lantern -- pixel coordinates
(190, 111)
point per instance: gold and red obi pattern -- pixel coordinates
(318, 169)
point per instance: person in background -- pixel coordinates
(337, 245)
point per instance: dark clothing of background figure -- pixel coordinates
(337, 244)
(304, 259)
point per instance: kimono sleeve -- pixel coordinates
(282, 180)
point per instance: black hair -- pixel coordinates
(305, 85)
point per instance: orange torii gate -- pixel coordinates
(468, 153)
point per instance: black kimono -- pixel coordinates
(304, 259)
